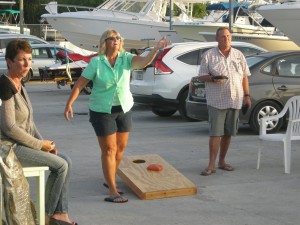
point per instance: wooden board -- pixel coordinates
(151, 184)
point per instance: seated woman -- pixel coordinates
(18, 130)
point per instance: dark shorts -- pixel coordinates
(106, 124)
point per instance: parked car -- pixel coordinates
(275, 77)
(6, 38)
(163, 85)
(42, 55)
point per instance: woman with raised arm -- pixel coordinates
(111, 101)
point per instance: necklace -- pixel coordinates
(18, 86)
(17, 83)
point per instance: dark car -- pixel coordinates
(275, 77)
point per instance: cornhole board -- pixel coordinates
(154, 184)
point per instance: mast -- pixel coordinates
(231, 12)
(171, 14)
(21, 17)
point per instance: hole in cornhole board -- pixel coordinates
(139, 161)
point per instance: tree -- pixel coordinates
(35, 8)
(199, 10)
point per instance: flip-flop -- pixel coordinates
(207, 172)
(120, 192)
(226, 167)
(114, 198)
(59, 222)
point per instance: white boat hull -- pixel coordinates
(189, 31)
(285, 17)
(85, 31)
(271, 43)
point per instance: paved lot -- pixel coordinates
(243, 197)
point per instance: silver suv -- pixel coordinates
(163, 85)
(42, 55)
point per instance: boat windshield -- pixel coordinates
(133, 6)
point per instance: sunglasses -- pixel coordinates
(113, 38)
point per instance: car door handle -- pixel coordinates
(282, 88)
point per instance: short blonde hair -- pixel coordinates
(106, 34)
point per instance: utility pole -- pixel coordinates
(231, 12)
(171, 14)
(21, 17)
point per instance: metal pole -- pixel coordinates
(231, 12)
(21, 17)
(171, 14)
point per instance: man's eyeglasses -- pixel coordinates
(113, 38)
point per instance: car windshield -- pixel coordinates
(252, 60)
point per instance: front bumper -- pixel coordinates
(197, 110)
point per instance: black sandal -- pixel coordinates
(59, 222)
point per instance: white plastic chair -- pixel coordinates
(292, 132)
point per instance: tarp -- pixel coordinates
(9, 11)
(225, 6)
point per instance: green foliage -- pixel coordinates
(34, 9)
(199, 10)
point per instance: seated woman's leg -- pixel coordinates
(57, 182)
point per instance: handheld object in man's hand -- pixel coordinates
(245, 109)
(220, 77)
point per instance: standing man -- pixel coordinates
(224, 71)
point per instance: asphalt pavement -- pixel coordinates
(244, 197)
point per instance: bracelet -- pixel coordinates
(246, 95)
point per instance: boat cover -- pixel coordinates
(225, 6)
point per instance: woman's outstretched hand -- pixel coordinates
(162, 43)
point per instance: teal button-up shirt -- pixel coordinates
(109, 81)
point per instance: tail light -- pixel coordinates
(159, 66)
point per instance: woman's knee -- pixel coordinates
(64, 165)
(122, 147)
(110, 151)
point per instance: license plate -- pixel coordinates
(139, 75)
(200, 92)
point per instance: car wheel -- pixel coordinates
(265, 109)
(163, 112)
(88, 88)
(27, 77)
(182, 106)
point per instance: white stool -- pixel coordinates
(39, 173)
